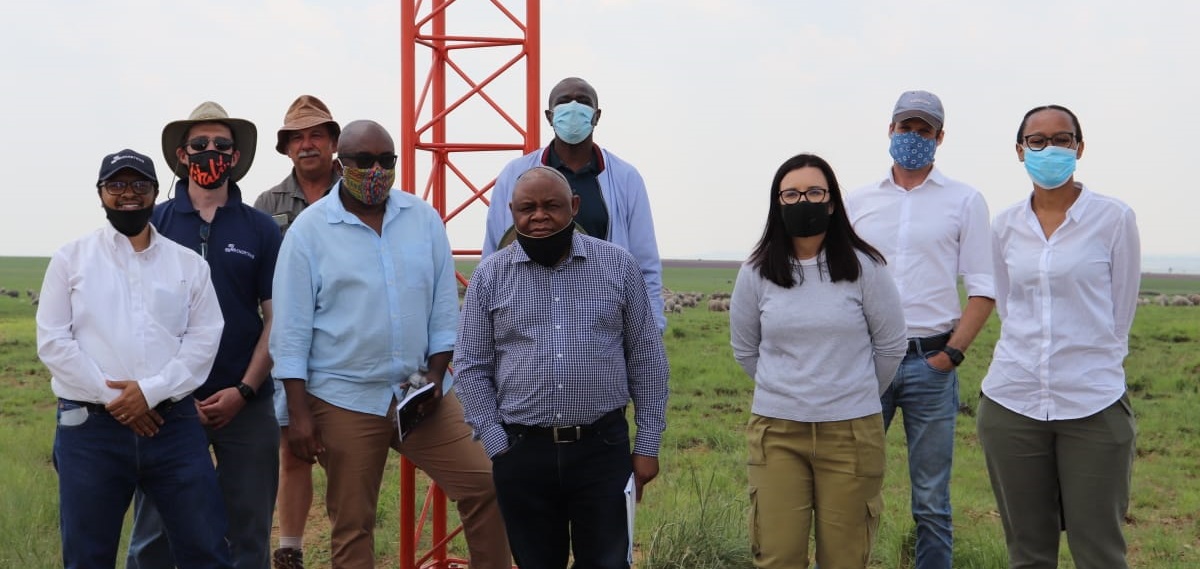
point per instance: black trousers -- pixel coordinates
(566, 497)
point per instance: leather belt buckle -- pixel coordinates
(567, 434)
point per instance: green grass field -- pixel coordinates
(694, 515)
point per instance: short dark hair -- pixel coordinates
(774, 253)
(1025, 119)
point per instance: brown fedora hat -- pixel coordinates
(305, 112)
(245, 138)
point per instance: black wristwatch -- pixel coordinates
(956, 356)
(247, 392)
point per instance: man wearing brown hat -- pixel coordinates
(210, 152)
(309, 137)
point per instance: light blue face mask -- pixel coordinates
(573, 122)
(912, 151)
(1051, 166)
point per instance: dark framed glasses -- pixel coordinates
(363, 160)
(1038, 142)
(204, 229)
(791, 196)
(220, 143)
(139, 187)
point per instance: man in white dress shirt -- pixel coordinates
(931, 229)
(128, 325)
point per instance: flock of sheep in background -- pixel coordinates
(719, 301)
(33, 296)
(1170, 300)
(677, 301)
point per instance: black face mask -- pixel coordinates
(129, 222)
(549, 250)
(209, 169)
(805, 219)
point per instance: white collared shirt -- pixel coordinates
(1065, 304)
(108, 312)
(929, 235)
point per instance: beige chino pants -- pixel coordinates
(830, 473)
(356, 449)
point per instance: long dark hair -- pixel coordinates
(774, 253)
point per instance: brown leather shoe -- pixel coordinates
(288, 558)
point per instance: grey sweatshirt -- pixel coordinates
(819, 351)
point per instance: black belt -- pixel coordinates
(568, 434)
(928, 343)
(99, 408)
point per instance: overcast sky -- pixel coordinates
(706, 97)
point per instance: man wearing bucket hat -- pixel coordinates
(309, 138)
(210, 152)
(125, 353)
(932, 230)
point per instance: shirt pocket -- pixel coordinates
(169, 306)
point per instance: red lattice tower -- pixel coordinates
(456, 134)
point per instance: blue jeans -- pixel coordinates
(247, 451)
(929, 398)
(101, 462)
(560, 497)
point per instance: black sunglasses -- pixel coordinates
(363, 160)
(220, 143)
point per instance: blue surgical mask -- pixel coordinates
(912, 151)
(573, 122)
(1051, 166)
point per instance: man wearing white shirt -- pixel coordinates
(128, 325)
(932, 230)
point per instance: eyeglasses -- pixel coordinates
(220, 143)
(204, 228)
(1036, 142)
(791, 196)
(139, 187)
(362, 160)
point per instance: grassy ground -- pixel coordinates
(694, 515)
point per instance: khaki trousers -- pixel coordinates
(1047, 474)
(356, 448)
(829, 472)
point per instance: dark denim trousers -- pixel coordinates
(566, 497)
(247, 452)
(101, 462)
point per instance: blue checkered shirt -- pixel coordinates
(562, 346)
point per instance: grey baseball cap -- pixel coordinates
(922, 105)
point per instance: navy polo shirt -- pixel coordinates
(242, 245)
(593, 212)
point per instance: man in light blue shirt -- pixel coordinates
(365, 297)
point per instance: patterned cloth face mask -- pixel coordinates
(368, 185)
(912, 151)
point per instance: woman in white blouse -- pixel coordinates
(1054, 420)
(816, 320)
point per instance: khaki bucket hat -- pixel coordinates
(245, 138)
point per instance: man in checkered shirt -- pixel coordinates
(556, 337)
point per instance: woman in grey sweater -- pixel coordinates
(815, 319)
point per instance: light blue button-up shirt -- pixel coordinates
(357, 312)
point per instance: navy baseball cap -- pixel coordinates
(127, 158)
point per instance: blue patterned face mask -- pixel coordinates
(1051, 166)
(912, 151)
